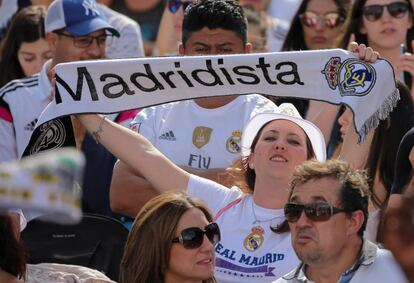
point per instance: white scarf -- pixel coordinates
(334, 76)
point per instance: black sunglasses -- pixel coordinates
(311, 19)
(314, 211)
(174, 5)
(396, 9)
(193, 237)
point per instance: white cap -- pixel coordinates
(285, 111)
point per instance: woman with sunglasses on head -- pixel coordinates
(172, 241)
(385, 25)
(316, 25)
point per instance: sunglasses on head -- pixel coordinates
(374, 12)
(193, 237)
(311, 19)
(174, 5)
(314, 211)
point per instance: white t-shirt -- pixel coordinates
(247, 252)
(371, 230)
(201, 138)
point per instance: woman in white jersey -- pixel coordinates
(273, 145)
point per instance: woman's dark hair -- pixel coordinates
(13, 255)
(387, 138)
(26, 26)
(403, 169)
(295, 39)
(354, 22)
(213, 14)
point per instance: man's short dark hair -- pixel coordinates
(213, 14)
(354, 191)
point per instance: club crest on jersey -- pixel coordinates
(201, 136)
(135, 126)
(352, 77)
(233, 142)
(254, 240)
(52, 136)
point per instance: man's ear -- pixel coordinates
(181, 49)
(355, 222)
(51, 39)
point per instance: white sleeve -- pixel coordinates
(215, 195)
(8, 143)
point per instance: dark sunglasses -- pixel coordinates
(374, 12)
(174, 5)
(193, 237)
(311, 19)
(314, 211)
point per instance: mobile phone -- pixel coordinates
(403, 49)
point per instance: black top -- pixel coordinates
(402, 171)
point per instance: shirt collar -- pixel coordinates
(366, 257)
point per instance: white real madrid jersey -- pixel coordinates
(248, 251)
(201, 138)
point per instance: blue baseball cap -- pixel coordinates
(78, 17)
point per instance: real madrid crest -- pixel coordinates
(201, 136)
(352, 77)
(233, 142)
(254, 240)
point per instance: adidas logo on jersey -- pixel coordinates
(30, 126)
(169, 136)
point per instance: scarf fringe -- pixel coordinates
(381, 114)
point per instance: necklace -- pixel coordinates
(258, 221)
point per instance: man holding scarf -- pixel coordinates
(201, 135)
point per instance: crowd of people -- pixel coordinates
(213, 188)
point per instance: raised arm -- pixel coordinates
(130, 190)
(354, 153)
(138, 153)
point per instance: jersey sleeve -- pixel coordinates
(215, 195)
(8, 143)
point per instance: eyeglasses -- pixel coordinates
(314, 211)
(192, 238)
(311, 19)
(396, 9)
(174, 5)
(86, 41)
